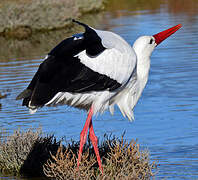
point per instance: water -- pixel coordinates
(166, 115)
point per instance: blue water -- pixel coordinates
(166, 116)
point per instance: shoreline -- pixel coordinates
(20, 19)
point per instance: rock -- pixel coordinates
(22, 18)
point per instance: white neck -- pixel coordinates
(143, 52)
(143, 67)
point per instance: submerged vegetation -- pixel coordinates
(30, 153)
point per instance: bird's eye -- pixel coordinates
(151, 41)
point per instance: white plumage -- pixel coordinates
(118, 62)
(95, 71)
(127, 65)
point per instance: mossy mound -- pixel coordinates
(30, 153)
(120, 159)
(25, 152)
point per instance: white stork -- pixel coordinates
(94, 71)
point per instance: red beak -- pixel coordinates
(164, 34)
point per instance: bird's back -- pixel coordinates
(85, 69)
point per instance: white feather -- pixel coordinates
(111, 40)
(32, 111)
(111, 109)
(98, 99)
(119, 62)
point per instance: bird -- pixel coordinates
(93, 71)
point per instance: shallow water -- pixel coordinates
(167, 113)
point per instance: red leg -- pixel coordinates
(94, 141)
(83, 134)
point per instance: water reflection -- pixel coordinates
(167, 113)
(181, 7)
(41, 43)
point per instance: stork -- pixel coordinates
(94, 71)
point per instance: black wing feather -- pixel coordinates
(63, 72)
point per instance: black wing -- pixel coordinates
(63, 72)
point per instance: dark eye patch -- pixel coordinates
(151, 41)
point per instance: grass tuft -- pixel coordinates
(24, 152)
(30, 153)
(120, 159)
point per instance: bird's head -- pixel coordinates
(145, 45)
